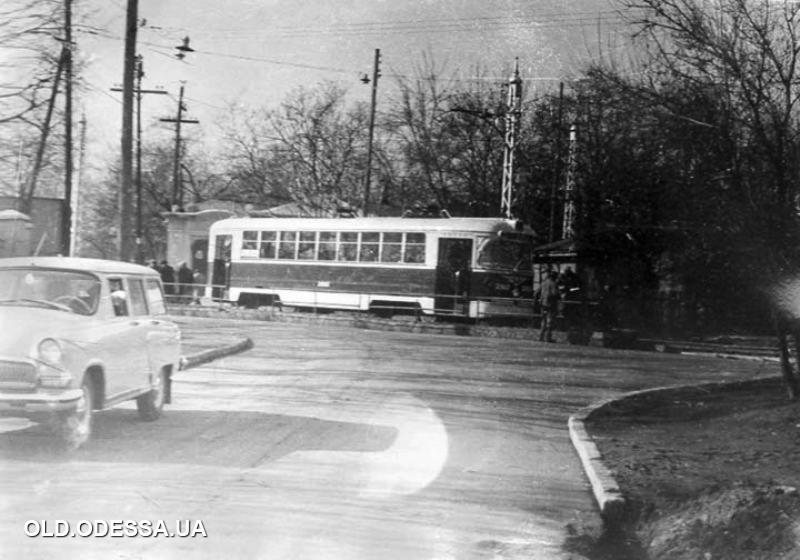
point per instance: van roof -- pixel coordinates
(101, 266)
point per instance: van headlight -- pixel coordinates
(49, 351)
(52, 373)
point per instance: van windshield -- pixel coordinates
(65, 290)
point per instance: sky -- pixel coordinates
(255, 52)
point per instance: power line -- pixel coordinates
(424, 28)
(537, 20)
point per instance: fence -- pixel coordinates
(646, 314)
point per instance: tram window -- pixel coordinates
(505, 253)
(249, 241)
(348, 246)
(287, 245)
(327, 246)
(415, 248)
(268, 244)
(308, 245)
(391, 248)
(249, 244)
(370, 243)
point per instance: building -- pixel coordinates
(45, 222)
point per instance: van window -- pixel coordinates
(138, 303)
(119, 297)
(155, 297)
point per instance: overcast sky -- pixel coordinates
(254, 52)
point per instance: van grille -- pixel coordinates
(16, 375)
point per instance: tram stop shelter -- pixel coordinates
(588, 312)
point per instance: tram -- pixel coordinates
(462, 267)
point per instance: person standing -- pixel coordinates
(167, 277)
(199, 285)
(549, 296)
(185, 281)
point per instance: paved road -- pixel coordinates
(342, 444)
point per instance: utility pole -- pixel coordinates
(368, 178)
(139, 76)
(125, 195)
(73, 249)
(139, 92)
(66, 224)
(177, 190)
(512, 120)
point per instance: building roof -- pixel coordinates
(13, 215)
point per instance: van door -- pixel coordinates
(453, 268)
(162, 336)
(122, 342)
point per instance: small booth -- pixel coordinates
(15, 234)
(187, 236)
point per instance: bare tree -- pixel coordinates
(311, 150)
(449, 136)
(746, 52)
(27, 29)
(32, 63)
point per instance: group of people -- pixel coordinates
(183, 282)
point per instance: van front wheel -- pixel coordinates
(151, 404)
(75, 427)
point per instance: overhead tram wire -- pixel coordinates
(538, 20)
(443, 25)
(561, 19)
(452, 28)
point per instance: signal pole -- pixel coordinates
(512, 120)
(177, 190)
(368, 179)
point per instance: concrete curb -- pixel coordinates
(606, 491)
(605, 488)
(212, 354)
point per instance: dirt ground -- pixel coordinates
(707, 475)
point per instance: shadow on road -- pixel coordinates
(201, 438)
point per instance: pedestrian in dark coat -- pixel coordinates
(550, 295)
(185, 279)
(167, 277)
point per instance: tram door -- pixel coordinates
(221, 267)
(452, 276)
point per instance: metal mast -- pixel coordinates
(512, 122)
(568, 230)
